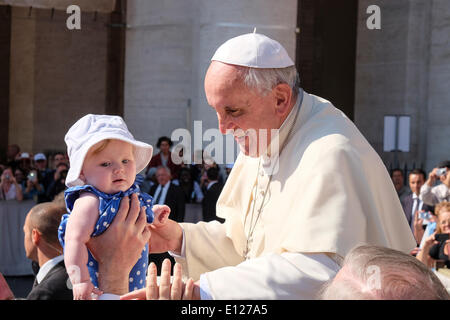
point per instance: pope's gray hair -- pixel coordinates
(402, 277)
(265, 79)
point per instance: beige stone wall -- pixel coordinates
(169, 47)
(57, 76)
(404, 69)
(22, 81)
(438, 104)
(158, 67)
(218, 21)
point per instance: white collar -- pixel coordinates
(46, 267)
(166, 186)
(267, 160)
(163, 190)
(162, 187)
(211, 184)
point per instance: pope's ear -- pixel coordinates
(283, 96)
(82, 177)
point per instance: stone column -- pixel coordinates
(168, 50)
(57, 75)
(219, 21)
(158, 67)
(438, 106)
(391, 74)
(22, 79)
(5, 51)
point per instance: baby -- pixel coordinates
(104, 160)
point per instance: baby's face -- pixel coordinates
(111, 170)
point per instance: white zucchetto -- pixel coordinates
(253, 50)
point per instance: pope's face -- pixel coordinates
(111, 170)
(241, 111)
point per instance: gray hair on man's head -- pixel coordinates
(167, 169)
(265, 79)
(401, 277)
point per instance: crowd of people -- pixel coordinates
(41, 177)
(426, 204)
(187, 183)
(37, 177)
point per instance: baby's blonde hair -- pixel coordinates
(100, 146)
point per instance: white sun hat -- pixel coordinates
(253, 50)
(93, 128)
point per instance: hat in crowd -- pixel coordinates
(92, 129)
(253, 50)
(39, 156)
(444, 164)
(24, 155)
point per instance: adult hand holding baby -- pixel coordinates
(120, 246)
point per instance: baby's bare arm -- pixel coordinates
(79, 228)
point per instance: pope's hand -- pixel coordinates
(166, 237)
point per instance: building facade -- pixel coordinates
(146, 61)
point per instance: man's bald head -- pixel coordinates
(378, 273)
(46, 217)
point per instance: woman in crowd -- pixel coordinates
(436, 246)
(163, 158)
(9, 188)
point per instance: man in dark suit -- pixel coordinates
(168, 193)
(411, 202)
(213, 189)
(42, 245)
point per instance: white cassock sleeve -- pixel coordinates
(273, 276)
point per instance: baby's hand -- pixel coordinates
(161, 214)
(84, 291)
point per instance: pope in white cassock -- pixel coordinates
(295, 205)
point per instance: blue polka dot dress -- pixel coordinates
(108, 207)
